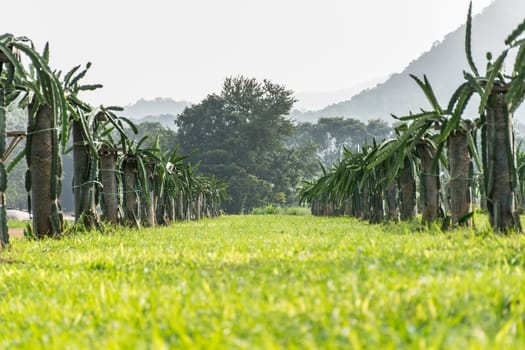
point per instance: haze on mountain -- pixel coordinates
(161, 110)
(443, 64)
(308, 101)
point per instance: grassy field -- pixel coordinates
(265, 282)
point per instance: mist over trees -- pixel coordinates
(160, 110)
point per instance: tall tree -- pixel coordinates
(238, 134)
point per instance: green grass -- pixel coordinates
(265, 282)
(17, 223)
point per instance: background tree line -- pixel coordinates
(245, 137)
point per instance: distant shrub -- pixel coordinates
(267, 210)
(278, 210)
(296, 211)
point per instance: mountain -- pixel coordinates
(307, 101)
(443, 64)
(167, 120)
(162, 110)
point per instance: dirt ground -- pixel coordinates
(14, 214)
(16, 232)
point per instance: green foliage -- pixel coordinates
(167, 137)
(17, 223)
(409, 135)
(265, 282)
(511, 39)
(468, 40)
(332, 135)
(493, 74)
(240, 137)
(520, 173)
(429, 92)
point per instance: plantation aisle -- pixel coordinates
(265, 282)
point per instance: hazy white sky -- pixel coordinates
(185, 48)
